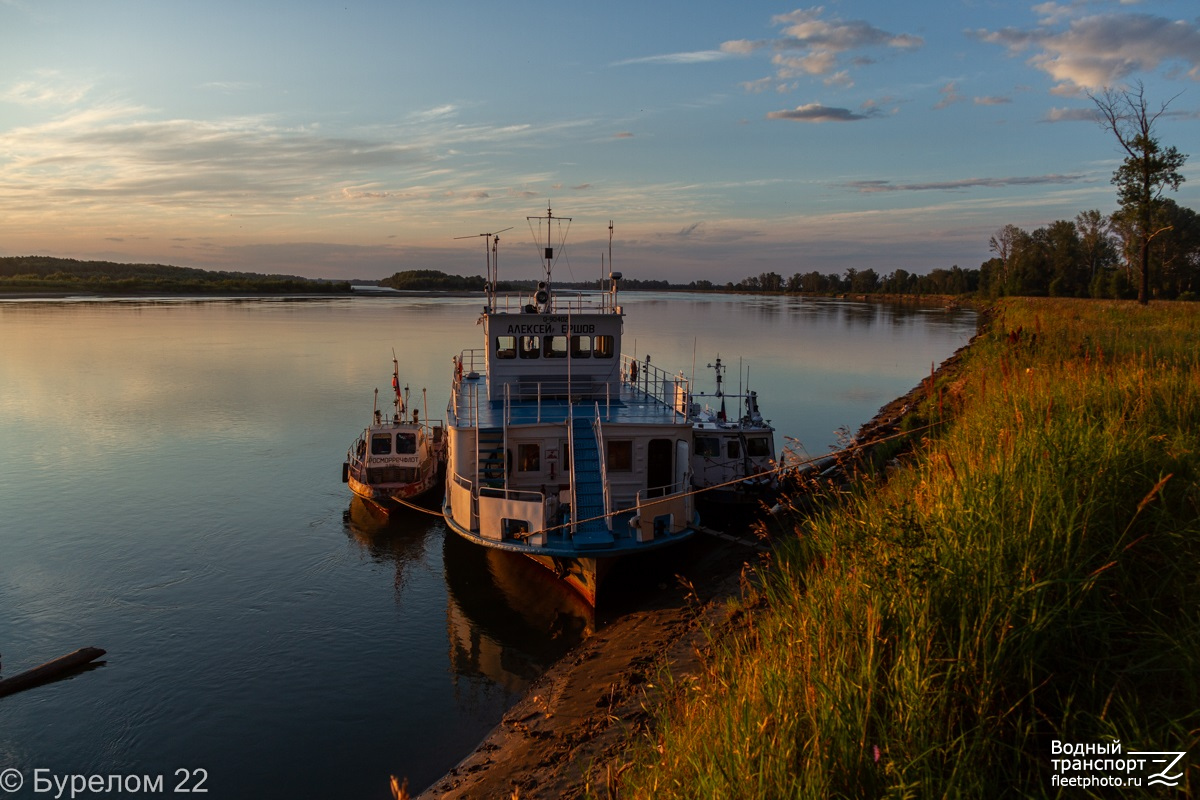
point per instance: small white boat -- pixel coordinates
(733, 459)
(397, 461)
(562, 448)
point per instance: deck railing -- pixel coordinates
(564, 302)
(673, 391)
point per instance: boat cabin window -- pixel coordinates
(581, 347)
(506, 347)
(734, 449)
(406, 443)
(556, 346)
(708, 446)
(381, 444)
(620, 455)
(529, 458)
(530, 345)
(757, 446)
(602, 347)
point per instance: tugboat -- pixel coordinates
(398, 461)
(562, 448)
(734, 459)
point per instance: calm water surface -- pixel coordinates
(170, 491)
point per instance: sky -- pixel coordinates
(358, 138)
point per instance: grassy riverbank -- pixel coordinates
(1029, 574)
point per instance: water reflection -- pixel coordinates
(507, 618)
(400, 538)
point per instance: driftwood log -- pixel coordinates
(50, 670)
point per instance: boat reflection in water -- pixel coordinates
(401, 536)
(508, 619)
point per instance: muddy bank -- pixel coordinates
(567, 734)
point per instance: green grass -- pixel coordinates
(1032, 573)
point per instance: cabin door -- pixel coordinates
(660, 470)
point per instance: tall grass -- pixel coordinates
(1031, 574)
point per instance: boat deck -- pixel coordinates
(648, 402)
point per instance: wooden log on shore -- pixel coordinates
(50, 670)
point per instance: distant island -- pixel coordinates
(47, 275)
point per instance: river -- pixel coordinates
(170, 491)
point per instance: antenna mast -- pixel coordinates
(491, 256)
(548, 250)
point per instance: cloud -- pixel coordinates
(993, 100)
(1073, 115)
(45, 88)
(434, 113)
(694, 57)
(950, 95)
(623, 135)
(811, 44)
(109, 159)
(815, 112)
(968, 183)
(1103, 49)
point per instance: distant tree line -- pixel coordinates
(1098, 256)
(49, 274)
(433, 280)
(954, 280)
(1091, 256)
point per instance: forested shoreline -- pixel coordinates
(46, 274)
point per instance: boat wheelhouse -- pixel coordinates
(561, 446)
(733, 459)
(398, 461)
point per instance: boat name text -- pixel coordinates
(548, 325)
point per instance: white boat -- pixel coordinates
(733, 460)
(396, 461)
(562, 447)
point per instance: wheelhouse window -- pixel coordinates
(381, 444)
(758, 446)
(530, 346)
(556, 346)
(602, 347)
(529, 458)
(581, 347)
(734, 449)
(620, 455)
(708, 446)
(406, 443)
(506, 347)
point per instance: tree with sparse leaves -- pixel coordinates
(1147, 171)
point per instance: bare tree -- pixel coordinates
(1148, 168)
(1004, 244)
